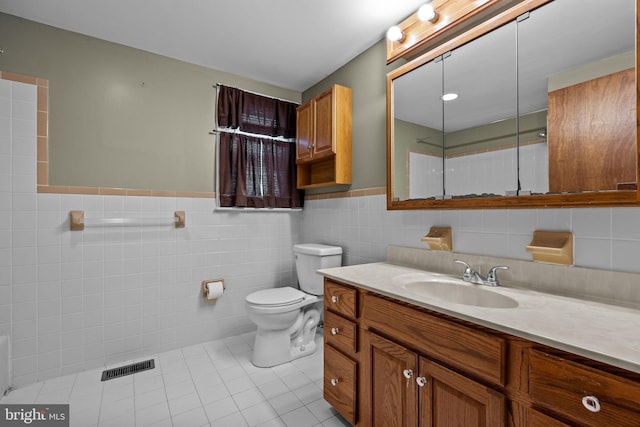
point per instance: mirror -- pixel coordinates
(545, 114)
(418, 162)
(480, 126)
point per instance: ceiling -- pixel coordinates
(288, 43)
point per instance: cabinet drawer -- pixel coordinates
(340, 376)
(562, 385)
(340, 299)
(469, 350)
(538, 419)
(340, 332)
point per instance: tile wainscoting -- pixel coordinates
(72, 300)
(605, 238)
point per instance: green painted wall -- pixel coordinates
(366, 75)
(122, 117)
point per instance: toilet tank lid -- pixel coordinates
(317, 249)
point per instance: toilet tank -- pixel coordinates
(311, 257)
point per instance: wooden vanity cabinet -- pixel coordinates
(538, 419)
(340, 349)
(323, 139)
(582, 394)
(397, 364)
(405, 389)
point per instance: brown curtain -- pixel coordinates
(229, 107)
(254, 113)
(256, 172)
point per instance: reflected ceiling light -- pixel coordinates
(395, 34)
(427, 13)
(449, 96)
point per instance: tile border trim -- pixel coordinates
(43, 160)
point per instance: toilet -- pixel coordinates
(287, 317)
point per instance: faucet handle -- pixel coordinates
(492, 277)
(468, 271)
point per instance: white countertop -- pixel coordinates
(606, 333)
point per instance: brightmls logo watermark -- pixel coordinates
(34, 415)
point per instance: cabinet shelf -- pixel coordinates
(322, 173)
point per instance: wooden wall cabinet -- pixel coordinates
(323, 139)
(391, 363)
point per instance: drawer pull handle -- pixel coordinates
(334, 381)
(334, 331)
(335, 299)
(591, 403)
(408, 373)
(422, 381)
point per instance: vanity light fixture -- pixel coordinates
(395, 34)
(427, 13)
(449, 96)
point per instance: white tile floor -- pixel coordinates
(210, 384)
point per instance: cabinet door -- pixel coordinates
(324, 121)
(304, 132)
(448, 399)
(389, 391)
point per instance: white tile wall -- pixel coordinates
(488, 172)
(605, 238)
(480, 173)
(77, 300)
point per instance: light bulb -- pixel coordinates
(395, 34)
(427, 13)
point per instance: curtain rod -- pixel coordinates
(253, 135)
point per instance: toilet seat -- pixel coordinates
(276, 297)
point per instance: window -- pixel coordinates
(256, 156)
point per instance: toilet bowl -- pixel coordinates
(286, 317)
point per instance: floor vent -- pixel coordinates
(110, 374)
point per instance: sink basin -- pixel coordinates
(466, 294)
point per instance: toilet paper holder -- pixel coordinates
(204, 289)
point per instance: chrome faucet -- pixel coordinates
(472, 276)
